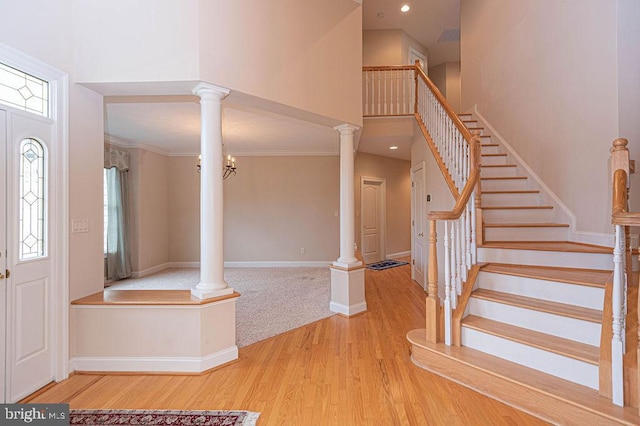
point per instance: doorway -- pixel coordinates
(373, 221)
(418, 225)
(33, 225)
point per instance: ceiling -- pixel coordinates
(171, 124)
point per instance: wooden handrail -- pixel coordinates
(450, 112)
(390, 68)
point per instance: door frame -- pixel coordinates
(382, 209)
(414, 198)
(59, 168)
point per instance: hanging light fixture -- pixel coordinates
(229, 167)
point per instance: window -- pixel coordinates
(32, 215)
(23, 91)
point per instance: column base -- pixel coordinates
(210, 293)
(347, 291)
(347, 263)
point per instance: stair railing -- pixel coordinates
(622, 219)
(457, 153)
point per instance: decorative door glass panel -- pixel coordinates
(23, 91)
(32, 214)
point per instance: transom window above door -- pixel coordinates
(23, 91)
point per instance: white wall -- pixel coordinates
(388, 47)
(544, 74)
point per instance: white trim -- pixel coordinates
(156, 364)
(183, 264)
(339, 308)
(59, 113)
(382, 182)
(399, 254)
(420, 56)
(152, 270)
(421, 165)
(595, 238)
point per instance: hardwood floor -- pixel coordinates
(336, 371)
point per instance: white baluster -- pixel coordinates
(447, 287)
(459, 273)
(454, 270)
(474, 241)
(617, 347)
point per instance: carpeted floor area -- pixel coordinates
(272, 301)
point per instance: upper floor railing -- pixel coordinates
(406, 90)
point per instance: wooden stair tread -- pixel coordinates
(523, 191)
(497, 165)
(517, 207)
(562, 309)
(563, 246)
(586, 277)
(550, 398)
(503, 178)
(486, 136)
(494, 155)
(526, 225)
(569, 348)
(475, 128)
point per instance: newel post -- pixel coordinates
(434, 326)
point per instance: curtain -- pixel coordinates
(118, 245)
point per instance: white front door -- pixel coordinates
(27, 344)
(419, 225)
(372, 218)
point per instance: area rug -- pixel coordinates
(162, 417)
(385, 264)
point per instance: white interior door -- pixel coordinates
(29, 352)
(3, 251)
(419, 225)
(372, 219)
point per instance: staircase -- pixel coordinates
(533, 319)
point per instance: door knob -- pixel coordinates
(1, 276)
(421, 234)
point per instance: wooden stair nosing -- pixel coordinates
(539, 394)
(525, 225)
(555, 308)
(494, 155)
(586, 277)
(547, 342)
(513, 192)
(484, 166)
(516, 207)
(503, 177)
(562, 246)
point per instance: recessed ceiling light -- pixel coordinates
(405, 8)
(393, 147)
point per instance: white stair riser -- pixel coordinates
(567, 368)
(543, 322)
(498, 171)
(493, 160)
(571, 294)
(489, 149)
(475, 129)
(511, 199)
(468, 123)
(546, 258)
(526, 234)
(505, 184)
(517, 215)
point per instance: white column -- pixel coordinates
(212, 282)
(347, 257)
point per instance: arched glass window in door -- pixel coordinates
(32, 202)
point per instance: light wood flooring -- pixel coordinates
(336, 371)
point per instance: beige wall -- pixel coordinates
(447, 78)
(398, 203)
(273, 207)
(388, 47)
(149, 209)
(543, 73)
(53, 44)
(306, 56)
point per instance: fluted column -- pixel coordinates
(212, 283)
(347, 212)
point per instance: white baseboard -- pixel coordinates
(399, 255)
(155, 364)
(149, 271)
(279, 264)
(593, 238)
(183, 265)
(348, 311)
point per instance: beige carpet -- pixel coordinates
(272, 301)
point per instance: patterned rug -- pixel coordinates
(385, 264)
(162, 417)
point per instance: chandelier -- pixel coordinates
(229, 168)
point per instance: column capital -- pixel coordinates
(346, 129)
(210, 91)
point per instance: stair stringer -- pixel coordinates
(562, 212)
